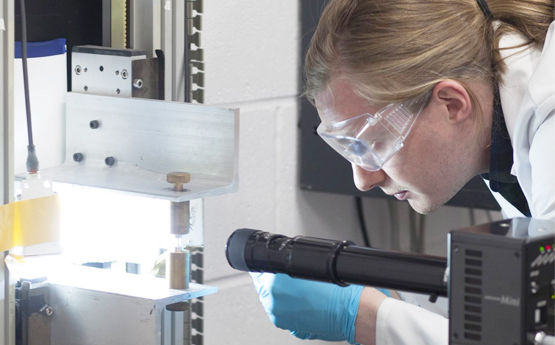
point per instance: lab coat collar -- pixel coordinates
(501, 161)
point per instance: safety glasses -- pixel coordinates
(370, 140)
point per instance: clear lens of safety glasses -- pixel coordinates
(369, 140)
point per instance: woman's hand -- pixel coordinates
(314, 310)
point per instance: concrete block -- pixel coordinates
(251, 49)
(253, 206)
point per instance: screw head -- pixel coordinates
(109, 161)
(124, 74)
(86, 88)
(118, 91)
(78, 69)
(178, 179)
(77, 157)
(94, 124)
(101, 68)
(49, 311)
(138, 83)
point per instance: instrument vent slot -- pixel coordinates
(475, 253)
(473, 262)
(472, 336)
(473, 272)
(472, 318)
(473, 295)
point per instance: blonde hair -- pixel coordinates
(397, 50)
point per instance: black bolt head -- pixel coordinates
(94, 124)
(109, 161)
(78, 157)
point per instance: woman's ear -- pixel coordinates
(452, 100)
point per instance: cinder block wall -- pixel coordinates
(252, 60)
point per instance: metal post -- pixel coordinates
(166, 45)
(145, 25)
(179, 19)
(107, 23)
(7, 293)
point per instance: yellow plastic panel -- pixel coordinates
(30, 222)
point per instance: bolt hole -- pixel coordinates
(85, 69)
(86, 88)
(118, 91)
(117, 72)
(101, 68)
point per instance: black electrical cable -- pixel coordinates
(361, 221)
(25, 73)
(32, 161)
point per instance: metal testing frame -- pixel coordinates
(170, 25)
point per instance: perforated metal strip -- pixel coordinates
(196, 95)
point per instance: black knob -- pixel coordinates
(109, 161)
(78, 157)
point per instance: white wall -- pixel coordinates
(252, 56)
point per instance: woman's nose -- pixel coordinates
(366, 180)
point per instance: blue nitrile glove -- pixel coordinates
(308, 309)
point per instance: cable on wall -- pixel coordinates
(362, 223)
(32, 160)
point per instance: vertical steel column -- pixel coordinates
(160, 24)
(179, 51)
(173, 45)
(166, 41)
(7, 293)
(174, 26)
(106, 23)
(145, 25)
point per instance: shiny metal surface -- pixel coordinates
(148, 139)
(102, 74)
(94, 306)
(7, 294)
(179, 218)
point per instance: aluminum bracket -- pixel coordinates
(148, 139)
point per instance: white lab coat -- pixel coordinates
(528, 101)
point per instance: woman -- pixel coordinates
(474, 85)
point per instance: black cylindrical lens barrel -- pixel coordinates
(393, 270)
(338, 262)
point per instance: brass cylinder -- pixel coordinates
(179, 215)
(180, 263)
